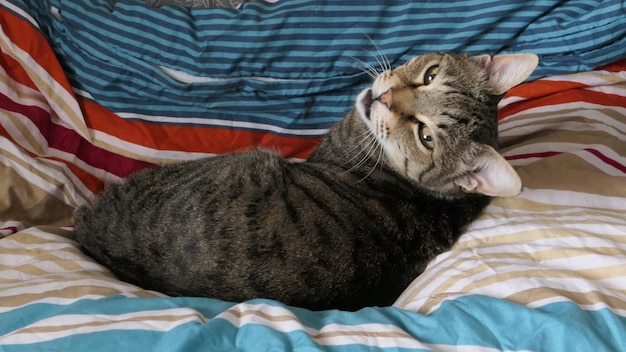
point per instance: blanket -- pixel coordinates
(92, 91)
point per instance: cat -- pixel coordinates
(390, 187)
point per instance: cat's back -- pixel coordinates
(178, 192)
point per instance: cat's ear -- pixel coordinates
(490, 175)
(507, 71)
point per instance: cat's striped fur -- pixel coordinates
(390, 187)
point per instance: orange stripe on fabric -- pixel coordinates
(542, 88)
(92, 183)
(546, 86)
(562, 97)
(4, 133)
(191, 138)
(15, 71)
(29, 39)
(616, 66)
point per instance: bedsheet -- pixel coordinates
(544, 271)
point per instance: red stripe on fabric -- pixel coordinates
(90, 181)
(607, 160)
(67, 140)
(593, 151)
(532, 155)
(8, 104)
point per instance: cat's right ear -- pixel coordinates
(506, 71)
(490, 174)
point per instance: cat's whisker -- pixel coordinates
(386, 61)
(363, 159)
(382, 59)
(362, 140)
(371, 144)
(370, 74)
(378, 161)
(371, 147)
(380, 157)
(367, 68)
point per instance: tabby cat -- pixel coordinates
(391, 186)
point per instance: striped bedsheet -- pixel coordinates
(544, 271)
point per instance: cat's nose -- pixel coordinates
(386, 98)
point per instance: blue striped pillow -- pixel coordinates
(293, 67)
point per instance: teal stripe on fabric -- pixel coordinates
(466, 321)
(112, 50)
(301, 21)
(242, 37)
(223, 43)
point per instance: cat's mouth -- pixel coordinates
(364, 103)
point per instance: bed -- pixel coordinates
(94, 90)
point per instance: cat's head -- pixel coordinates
(436, 120)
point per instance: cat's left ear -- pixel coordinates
(490, 174)
(507, 71)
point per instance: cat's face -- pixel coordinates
(436, 120)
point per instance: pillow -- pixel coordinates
(293, 68)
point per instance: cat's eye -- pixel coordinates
(430, 75)
(425, 136)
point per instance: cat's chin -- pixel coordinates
(364, 103)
